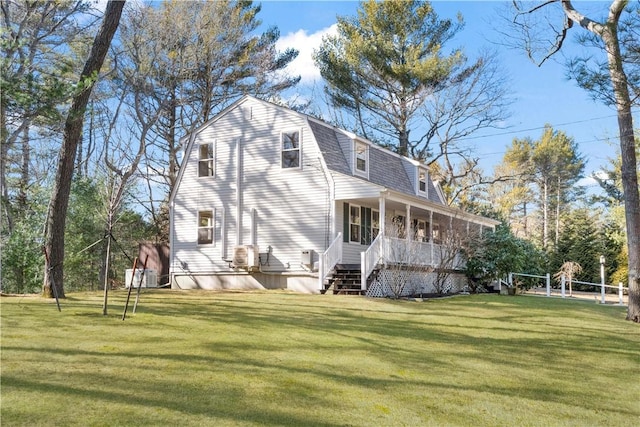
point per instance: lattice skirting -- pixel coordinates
(412, 283)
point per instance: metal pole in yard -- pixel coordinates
(562, 281)
(602, 278)
(144, 269)
(133, 279)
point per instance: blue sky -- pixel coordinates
(543, 94)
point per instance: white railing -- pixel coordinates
(329, 259)
(546, 277)
(602, 286)
(369, 259)
(563, 283)
(410, 252)
(395, 250)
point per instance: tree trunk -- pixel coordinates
(170, 138)
(57, 211)
(24, 173)
(5, 213)
(629, 167)
(545, 213)
(557, 235)
(106, 272)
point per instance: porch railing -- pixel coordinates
(329, 259)
(410, 252)
(369, 259)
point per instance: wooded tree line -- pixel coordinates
(171, 67)
(174, 65)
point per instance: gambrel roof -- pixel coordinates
(387, 169)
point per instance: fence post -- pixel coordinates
(619, 293)
(548, 284)
(602, 278)
(562, 281)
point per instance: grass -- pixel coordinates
(276, 358)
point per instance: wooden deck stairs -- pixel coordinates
(346, 280)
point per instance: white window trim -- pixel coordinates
(214, 154)
(435, 234)
(356, 171)
(351, 206)
(212, 227)
(424, 238)
(282, 150)
(426, 182)
(372, 227)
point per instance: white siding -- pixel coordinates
(291, 205)
(412, 173)
(348, 187)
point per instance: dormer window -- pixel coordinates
(422, 181)
(361, 158)
(290, 149)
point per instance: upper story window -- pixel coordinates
(422, 181)
(206, 160)
(290, 149)
(205, 227)
(361, 158)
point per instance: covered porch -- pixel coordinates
(395, 230)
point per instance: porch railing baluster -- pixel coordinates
(329, 259)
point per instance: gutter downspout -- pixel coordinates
(238, 192)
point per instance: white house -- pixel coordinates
(271, 198)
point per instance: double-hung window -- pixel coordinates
(422, 181)
(290, 147)
(361, 224)
(375, 224)
(437, 238)
(205, 227)
(361, 158)
(355, 221)
(421, 231)
(206, 160)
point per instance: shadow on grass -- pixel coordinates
(305, 351)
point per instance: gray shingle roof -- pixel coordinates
(327, 140)
(385, 168)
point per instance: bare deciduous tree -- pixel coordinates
(608, 81)
(569, 270)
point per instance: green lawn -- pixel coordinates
(275, 358)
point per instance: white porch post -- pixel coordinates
(431, 235)
(407, 222)
(383, 213)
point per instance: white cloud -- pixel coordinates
(587, 182)
(305, 44)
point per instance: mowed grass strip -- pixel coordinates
(278, 358)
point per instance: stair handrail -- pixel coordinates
(329, 259)
(369, 259)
